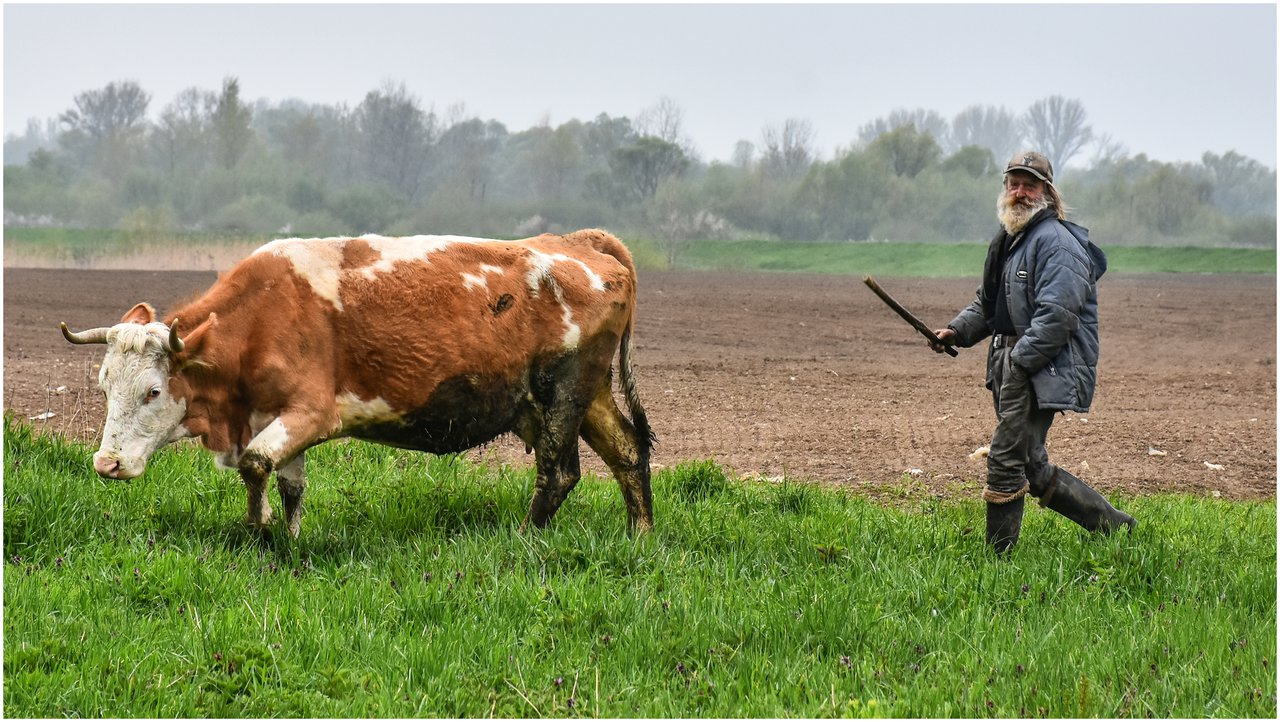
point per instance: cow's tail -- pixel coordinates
(607, 243)
(644, 434)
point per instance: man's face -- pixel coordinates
(1023, 188)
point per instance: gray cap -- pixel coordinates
(1033, 163)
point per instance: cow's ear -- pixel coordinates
(195, 341)
(143, 313)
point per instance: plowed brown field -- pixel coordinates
(811, 377)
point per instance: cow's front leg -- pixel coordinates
(254, 470)
(280, 444)
(292, 481)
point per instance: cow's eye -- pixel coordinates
(153, 394)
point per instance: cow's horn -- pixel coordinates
(175, 344)
(93, 335)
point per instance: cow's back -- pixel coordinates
(452, 321)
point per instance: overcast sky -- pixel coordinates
(1171, 81)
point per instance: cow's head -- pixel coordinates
(142, 413)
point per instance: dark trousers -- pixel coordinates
(1017, 456)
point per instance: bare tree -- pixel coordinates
(181, 135)
(788, 151)
(924, 120)
(744, 154)
(987, 126)
(396, 136)
(39, 135)
(664, 121)
(1107, 150)
(466, 151)
(1057, 127)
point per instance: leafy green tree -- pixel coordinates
(845, 198)
(105, 129)
(230, 124)
(906, 150)
(365, 210)
(545, 165)
(638, 169)
(466, 151)
(1168, 200)
(602, 136)
(973, 160)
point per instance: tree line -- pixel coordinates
(211, 161)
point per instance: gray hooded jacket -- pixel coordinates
(1050, 282)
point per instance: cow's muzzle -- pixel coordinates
(110, 466)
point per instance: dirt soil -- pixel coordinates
(813, 378)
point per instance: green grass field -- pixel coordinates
(941, 260)
(411, 593)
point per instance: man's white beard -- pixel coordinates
(1013, 215)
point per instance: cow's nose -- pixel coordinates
(106, 465)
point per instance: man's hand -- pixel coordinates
(948, 338)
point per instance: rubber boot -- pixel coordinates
(1004, 523)
(1079, 502)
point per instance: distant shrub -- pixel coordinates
(252, 214)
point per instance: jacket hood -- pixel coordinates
(1096, 255)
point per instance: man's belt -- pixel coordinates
(1004, 340)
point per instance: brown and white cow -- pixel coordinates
(435, 343)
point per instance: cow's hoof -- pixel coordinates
(263, 524)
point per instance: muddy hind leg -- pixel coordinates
(614, 438)
(552, 430)
(557, 475)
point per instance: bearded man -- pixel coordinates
(1039, 303)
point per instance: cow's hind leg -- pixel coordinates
(558, 473)
(292, 481)
(614, 438)
(551, 428)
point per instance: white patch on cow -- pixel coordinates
(259, 421)
(540, 270)
(572, 331)
(540, 265)
(271, 441)
(318, 261)
(355, 411)
(472, 281)
(413, 248)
